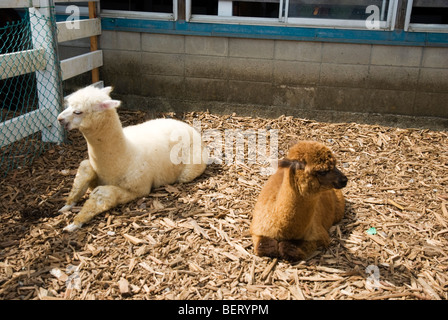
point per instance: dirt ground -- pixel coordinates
(192, 241)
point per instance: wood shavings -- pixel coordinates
(123, 286)
(191, 241)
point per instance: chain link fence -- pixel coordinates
(30, 86)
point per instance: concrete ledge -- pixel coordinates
(157, 105)
(181, 27)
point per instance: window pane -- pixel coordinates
(206, 7)
(256, 9)
(430, 12)
(165, 6)
(243, 8)
(337, 9)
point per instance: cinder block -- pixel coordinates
(250, 92)
(389, 101)
(296, 73)
(123, 83)
(163, 64)
(431, 104)
(435, 57)
(205, 66)
(343, 75)
(163, 43)
(294, 97)
(121, 62)
(346, 53)
(250, 69)
(119, 40)
(298, 51)
(162, 86)
(393, 78)
(433, 80)
(340, 99)
(211, 46)
(206, 89)
(251, 48)
(396, 55)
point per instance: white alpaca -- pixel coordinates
(125, 163)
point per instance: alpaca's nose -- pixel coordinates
(62, 122)
(343, 181)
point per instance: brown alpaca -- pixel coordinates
(299, 203)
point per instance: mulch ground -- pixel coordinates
(191, 241)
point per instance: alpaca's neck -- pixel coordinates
(298, 204)
(106, 142)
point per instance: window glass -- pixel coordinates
(244, 8)
(204, 7)
(341, 10)
(263, 9)
(359, 14)
(164, 6)
(430, 12)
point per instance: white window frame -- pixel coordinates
(189, 17)
(105, 13)
(388, 24)
(421, 27)
(284, 20)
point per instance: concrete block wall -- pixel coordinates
(276, 76)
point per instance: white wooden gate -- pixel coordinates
(84, 28)
(48, 70)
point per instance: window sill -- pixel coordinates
(276, 32)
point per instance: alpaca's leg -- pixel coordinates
(197, 161)
(292, 250)
(308, 247)
(265, 246)
(85, 178)
(191, 172)
(301, 249)
(101, 199)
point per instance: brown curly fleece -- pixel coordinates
(299, 203)
(315, 155)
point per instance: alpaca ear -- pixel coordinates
(284, 163)
(107, 90)
(110, 104)
(293, 164)
(299, 165)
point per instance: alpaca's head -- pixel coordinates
(86, 108)
(313, 167)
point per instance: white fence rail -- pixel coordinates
(22, 62)
(48, 80)
(19, 3)
(87, 28)
(42, 61)
(83, 63)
